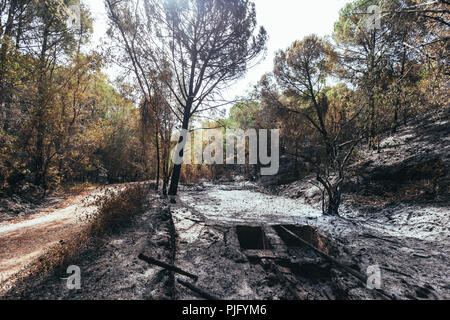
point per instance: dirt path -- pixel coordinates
(24, 241)
(110, 268)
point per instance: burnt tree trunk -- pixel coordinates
(4, 94)
(334, 196)
(166, 175)
(158, 159)
(176, 174)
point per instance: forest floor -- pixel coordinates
(233, 236)
(230, 235)
(212, 223)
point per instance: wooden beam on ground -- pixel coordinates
(166, 266)
(362, 278)
(201, 292)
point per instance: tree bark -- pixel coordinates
(334, 196)
(6, 36)
(166, 176)
(39, 157)
(158, 159)
(173, 190)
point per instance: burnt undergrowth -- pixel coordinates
(116, 213)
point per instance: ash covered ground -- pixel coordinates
(237, 237)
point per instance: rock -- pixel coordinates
(312, 193)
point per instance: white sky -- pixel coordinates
(284, 20)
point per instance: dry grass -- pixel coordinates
(194, 173)
(115, 211)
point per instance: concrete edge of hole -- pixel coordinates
(318, 235)
(232, 237)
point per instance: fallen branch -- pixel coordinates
(396, 271)
(167, 266)
(362, 278)
(201, 292)
(355, 273)
(367, 235)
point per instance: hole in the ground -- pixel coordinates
(252, 238)
(306, 233)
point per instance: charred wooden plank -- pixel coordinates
(362, 278)
(169, 267)
(199, 291)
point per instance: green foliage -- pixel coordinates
(244, 115)
(62, 121)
